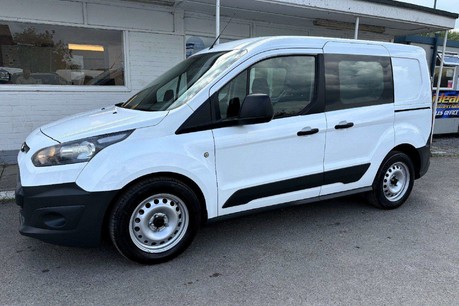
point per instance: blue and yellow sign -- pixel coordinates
(448, 104)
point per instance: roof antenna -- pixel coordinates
(216, 39)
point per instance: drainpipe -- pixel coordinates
(217, 21)
(356, 32)
(438, 85)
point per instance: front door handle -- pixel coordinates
(307, 131)
(344, 125)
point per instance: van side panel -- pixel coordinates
(147, 154)
(367, 142)
(413, 105)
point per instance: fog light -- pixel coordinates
(54, 220)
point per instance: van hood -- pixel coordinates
(102, 121)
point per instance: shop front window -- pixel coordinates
(36, 54)
(447, 77)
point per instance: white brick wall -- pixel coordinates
(22, 112)
(152, 54)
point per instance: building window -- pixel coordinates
(38, 54)
(447, 78)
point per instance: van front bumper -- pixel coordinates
(63, 214)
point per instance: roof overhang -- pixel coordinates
(378, 19)
(385, 18)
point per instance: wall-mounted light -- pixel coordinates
(341, 25)
(79, 47)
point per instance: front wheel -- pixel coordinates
(393, 183)
(154, 220)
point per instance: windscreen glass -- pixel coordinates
(178, 85)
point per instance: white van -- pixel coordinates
(242, 126)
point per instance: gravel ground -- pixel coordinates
(447, 145)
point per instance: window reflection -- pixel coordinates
(35, 54)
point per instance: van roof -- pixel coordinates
(310, 42)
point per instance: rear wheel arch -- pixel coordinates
(393, 182)
(413, 154)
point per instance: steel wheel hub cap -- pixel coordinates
(396, 181)
(158, 223)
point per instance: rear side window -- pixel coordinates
(407, 79)
(356, 81)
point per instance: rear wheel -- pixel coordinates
(155, 220)
(394, 182)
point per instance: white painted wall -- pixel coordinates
(152, 54)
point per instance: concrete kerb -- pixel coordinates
(6, 196)
(8, 177)
(443, 154)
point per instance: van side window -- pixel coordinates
(288, 80)
(356, 81)
(232, 95)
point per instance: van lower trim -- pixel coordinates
(344, 175)
(290, 204)
(424, 158)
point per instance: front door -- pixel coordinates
(259, 165)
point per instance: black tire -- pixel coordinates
(393, 182)
(154, 220)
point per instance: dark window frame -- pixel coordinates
(207, 116)
(315, 106)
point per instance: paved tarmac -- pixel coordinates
(333, 252)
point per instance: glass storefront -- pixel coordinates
(39, 54)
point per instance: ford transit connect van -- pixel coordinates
(244, 125)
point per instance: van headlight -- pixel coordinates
(77, 151)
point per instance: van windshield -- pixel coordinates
(178, 85)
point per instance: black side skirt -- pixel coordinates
(345, 176)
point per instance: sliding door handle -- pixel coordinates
(344, 125)
(307, 131)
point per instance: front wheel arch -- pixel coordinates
(154, 220)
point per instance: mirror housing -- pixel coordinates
(256, 108)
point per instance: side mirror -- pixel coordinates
(256, 108)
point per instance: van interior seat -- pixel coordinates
(260, 86)
(168, 95)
